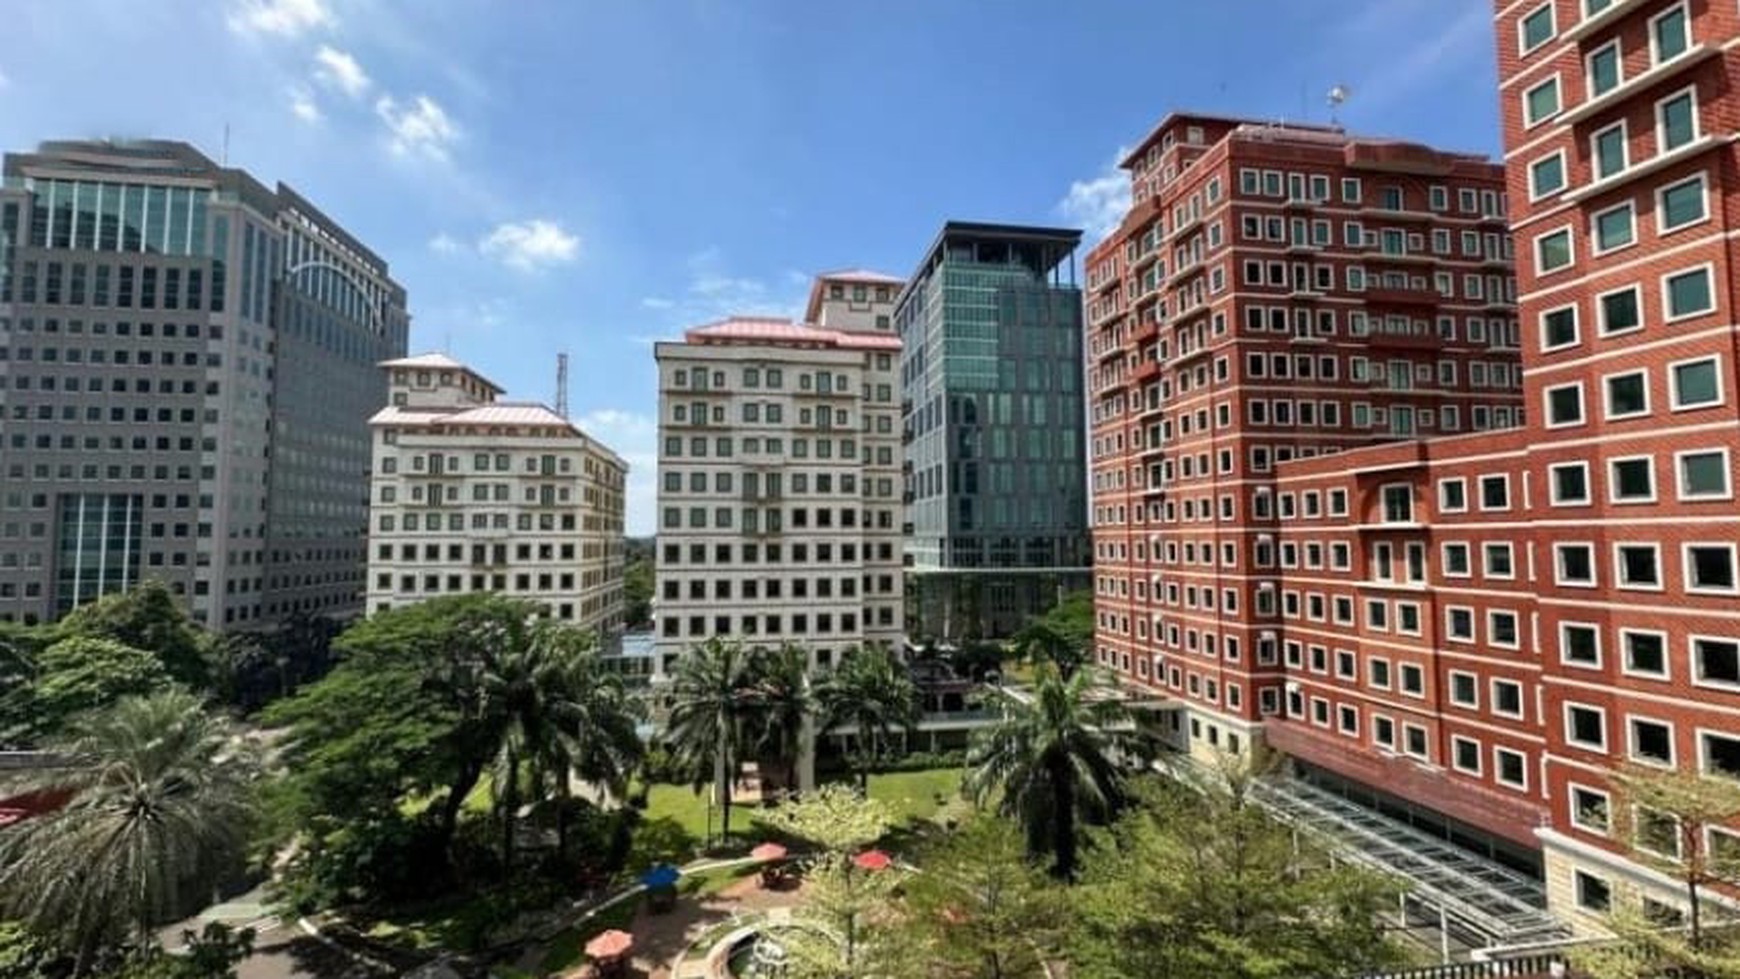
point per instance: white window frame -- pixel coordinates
(1607, 412)
(1674, 402)
(1570, 250)
(1692, 641)
(1444, 507)
(1702, 179)
(1680, 475)
(1613, 483)
(1535, 192)
(1619, 62)
(1574, 813)
(1558, 85)
(1686, 567)
(1595, 153)
(1702, 734)
(1571, 740)
(1667, 656)
(1576, 328)
(1631, 741)
(1499, 750)
(1493, 698)
(1553, 496)
(1559, 579)
(1492, 631)
(1480, 485)
(1709, 271)
(1619, 566)
(1547, 418)
(1564, 644)
(1601, 328)
(1685, 11)
(1660, 120)
(1456, 741)
(1473, 679)
(1444, 559)
(1595, 247)
(1524, 49)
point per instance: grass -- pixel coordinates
(682, 804)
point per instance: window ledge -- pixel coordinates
(1589, 25)
(1660, 161)
(1693, 55)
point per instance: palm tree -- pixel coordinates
(1049, 761)
(159, 809)
(871, 692)
(713, 703)
(553, 710)
(784, 705)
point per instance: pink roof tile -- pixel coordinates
(775, 330)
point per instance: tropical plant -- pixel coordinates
(150, 617)
(979, 909)
(82, 673)
(160, 803)
(1198, 880)
(784, 707)
(1049, 763)
(1665, 818)
(713, 709)
(833, 818)
(871, 693)
(1062, 636)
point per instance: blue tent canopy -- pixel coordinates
(663, 875)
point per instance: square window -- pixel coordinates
(1586, 727)
(1615, 228)
(1415, 741)
(1710, 567)
(1565, 405)
(1589, 809)
(1501, 628)
(1452, 495)
(1465, 754)
(1593, 893)
(1536, 27)
(1652, 741)
(1704, 474)
(1547, 175)
(1498, 561)
(1720, 754)
(1495, 492)
(1579, 644)
(1570, 483)
(1680, 204)
(1511, 768)
(1645, 652)
(1541, 102)
(1676, 121)
(1627, 394)
(1464, 689)
(1507, 698)
(1553, 251)
(1631, 480)
(1715, 661)
(1696, 384)
(1559, 328)
(1620, 310)
(1459, 623)
(1456, 561)
(1413, 680)
(1637, 565)
(1688, 293)
(1575, 564)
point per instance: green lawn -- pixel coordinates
(683, 804)
(913, 795)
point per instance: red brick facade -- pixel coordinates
(1495, 621)
(1275, 293)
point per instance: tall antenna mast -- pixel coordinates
(562, 384)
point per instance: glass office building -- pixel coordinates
(991, 381)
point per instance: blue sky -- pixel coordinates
(586, 175)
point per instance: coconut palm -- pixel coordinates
(1049, 763)
(159, 806)
(713, 706)
(784, 705)
(871, 692)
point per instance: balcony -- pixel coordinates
(1401, 296)
(1145, 332)
(1147, 370)
(1411, 340)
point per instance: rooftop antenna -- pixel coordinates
(1337, 95)
(562, 384)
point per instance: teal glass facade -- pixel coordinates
(995, 459)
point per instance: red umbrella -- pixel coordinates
(767, 851)
(609, 944)
(873, 860)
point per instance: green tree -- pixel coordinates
(844, 928)
(160, 807)
(637, 592)
(84, 673)
(979, 909)
(1664, 818)
(713, 709)
(1200, 881)
(1062, 636)
(1050, 763)
(148, 617)
(870, 692)
(784, 705)
(834, 819)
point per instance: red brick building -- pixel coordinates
(1277, 292)
(1477, 629)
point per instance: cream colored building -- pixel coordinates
(780, 495)
(469, 493)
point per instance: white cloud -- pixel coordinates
(421, 128)
(285, 18)
(4, 81)
(634, 437)
(655, 302)
(337, 69)
(530, 245)
(302, 105)
(445, 244)
(1099, 203)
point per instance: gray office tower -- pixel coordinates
(187, 369)
(995, 464)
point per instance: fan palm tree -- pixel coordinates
(593, 723)
(1049, 762)
(784, 705)
(713, 704)
(160, 801)
(871, 692)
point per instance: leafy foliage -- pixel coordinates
(637, 591)
(151, 618)
(1199, 881)
(713, 710)
(1062, 636)
(1049, 763)
(833, 818)
(160, 807)
(83, 673)
(870, 692)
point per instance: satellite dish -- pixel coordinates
(1337, 95)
